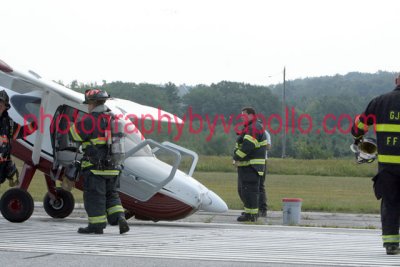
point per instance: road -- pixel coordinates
(43, 241)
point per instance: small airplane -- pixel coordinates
(150, 188)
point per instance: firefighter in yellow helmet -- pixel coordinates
(384, 113)
(101, 178)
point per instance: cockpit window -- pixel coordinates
(26, 105)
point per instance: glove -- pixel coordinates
(357, 141)
(10, 169)
(11, 173)
(12, 182)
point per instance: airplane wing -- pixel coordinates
(28, 81)
(25, 82)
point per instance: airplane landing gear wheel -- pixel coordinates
(16, 205)
(62, 206)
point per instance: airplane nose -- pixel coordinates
(212, 202)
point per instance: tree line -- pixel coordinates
(317, 117)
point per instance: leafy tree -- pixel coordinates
(340, 96)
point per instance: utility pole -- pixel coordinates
(283, 114)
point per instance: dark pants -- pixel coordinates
(248, 186)
(7, 169)
(262, 203)
(100, 194)
(387, 187)
(3, 166)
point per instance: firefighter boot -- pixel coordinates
(123, 225)
(90, 230)
(392, 249)
(262, 213)
(247, 217)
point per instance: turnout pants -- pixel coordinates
(3, 167)
(101, 199)
(387, 187)
(7, 169)
(248, 188)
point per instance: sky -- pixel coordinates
(199, 42)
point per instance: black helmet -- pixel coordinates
(4, 97)
(95, 95)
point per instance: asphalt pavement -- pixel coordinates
(202, 239)
(309, 219)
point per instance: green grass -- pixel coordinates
(319, 193)
(328, 167)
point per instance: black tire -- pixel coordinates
(61, 207)
(16, 205)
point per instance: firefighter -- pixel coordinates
(10, 130)
(101, 178)
(384, 113)
(249, 157)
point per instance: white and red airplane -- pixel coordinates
(150, 189)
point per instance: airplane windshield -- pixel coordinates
(133, 138)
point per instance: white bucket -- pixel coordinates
(291, 211)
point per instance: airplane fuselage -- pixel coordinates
(150, 188)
